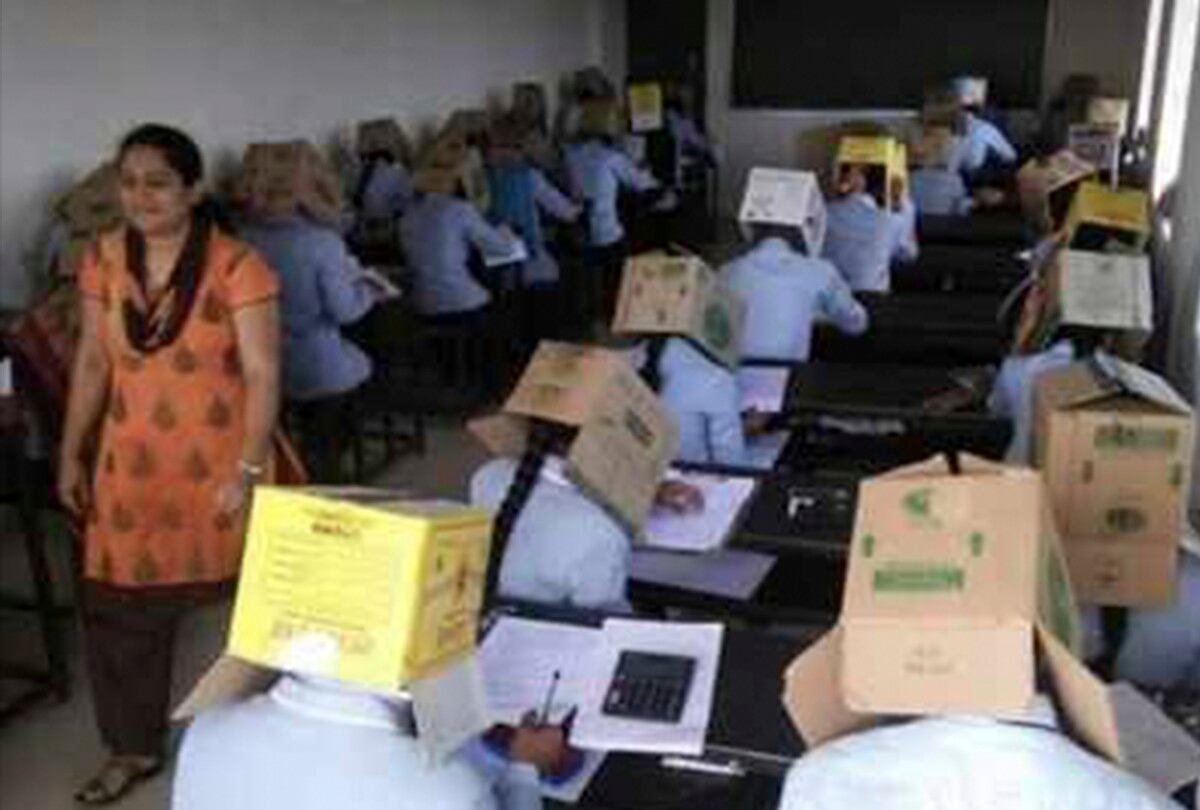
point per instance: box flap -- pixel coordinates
(940, 465)
(1074, 386)
(1105, 290)
(812, 693)
(786, 197)
(503, 434)
(1140, 382)
(229, 680)
(624, 448)
(564, 382)
(1084, 699)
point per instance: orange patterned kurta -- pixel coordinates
(173, 428)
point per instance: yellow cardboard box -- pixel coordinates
(679, 295)
(1103, 218)
(359, 586)
(883, 152)
(645, 107)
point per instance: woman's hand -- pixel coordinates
(74, 489)
(234, 498)
(678, 497)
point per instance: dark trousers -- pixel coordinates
(129, 641)
(326, 425)
(603, 267)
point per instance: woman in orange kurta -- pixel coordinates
(177, 371)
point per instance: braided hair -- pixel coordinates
(542, 436)
(651, 372)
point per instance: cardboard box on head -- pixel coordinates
(1099, 145)
(954, 582)
(386, 136)
(1106, 219)
(942, 110)
(885, 160)
(359, 586)
(451, 167)
(680, 295)
(789, 198)
(971, 91)
(645, 107)
(92, 206)
(470, 126)
(1109, 111)
(1115, 444)
(1107, 291)
(1047, 187)
(600, 118)
(625, 440)
(279, 180)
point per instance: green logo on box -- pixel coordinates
(919, 578)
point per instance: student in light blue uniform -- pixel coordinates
(385, 189)
(323, 289)
(598, 170)
(313, 744)
(785, 292)
(936, 183)
(1012, 394)
(702, 396)
(1162, 646)
(520, 194)
(438, 234)
(863, 238)
(982, 143)
(556, 544)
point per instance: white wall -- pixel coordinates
(75, 74)
(1105, 37)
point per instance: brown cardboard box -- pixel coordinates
(1046, 188)
(956, 589)
(679, 295)
(1099, 145)
(279, 179)
(384, 135)
(92, 207)
(1111, 111)
(450, 166)
(1103, 218)
(1103, 291)
(1115, 444)
(626, 437)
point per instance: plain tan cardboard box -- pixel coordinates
(286, 177)
(956, 590)
(1115, 443)
(626, 437)
(1041, 185)
(680, 295)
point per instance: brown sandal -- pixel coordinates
(116, 780)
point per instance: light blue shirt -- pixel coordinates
(1162, 647)
(861, 241)
(983, 140)
(940, 193)
(1012, 394)
(962, 762)
(598, 173)
(313, 745)
(322, 290)
(784, 293)
(703, 397)
(904, 232)
(688, 141)
(388, 193)
(438, 233)
(564, 549)
(541, 267)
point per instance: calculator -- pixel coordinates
(649, 686)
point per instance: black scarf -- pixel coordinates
(158, 325)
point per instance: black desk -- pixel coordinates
(981, 228)
(921, 329)
(749, 728)
(961, 269)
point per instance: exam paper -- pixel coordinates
(516, 253)
(519, 658)
(763, 388)
(706, 530)
(730, 573)
(596, 730)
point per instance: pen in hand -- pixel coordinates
(544, 718)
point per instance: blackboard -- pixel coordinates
(870, 54)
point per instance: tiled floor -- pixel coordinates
(48, 752)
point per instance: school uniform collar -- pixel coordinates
(775, 246)
(333, 702)
(863, 198)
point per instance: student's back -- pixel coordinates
(386, 192)
(785, 292)
(564, 549)
(307, 746)
(941, 192)
(438, 233)
(703, 397)
(984, 142)
(1013, 393)
(598, 172)
(860, 241)
(322, 290)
